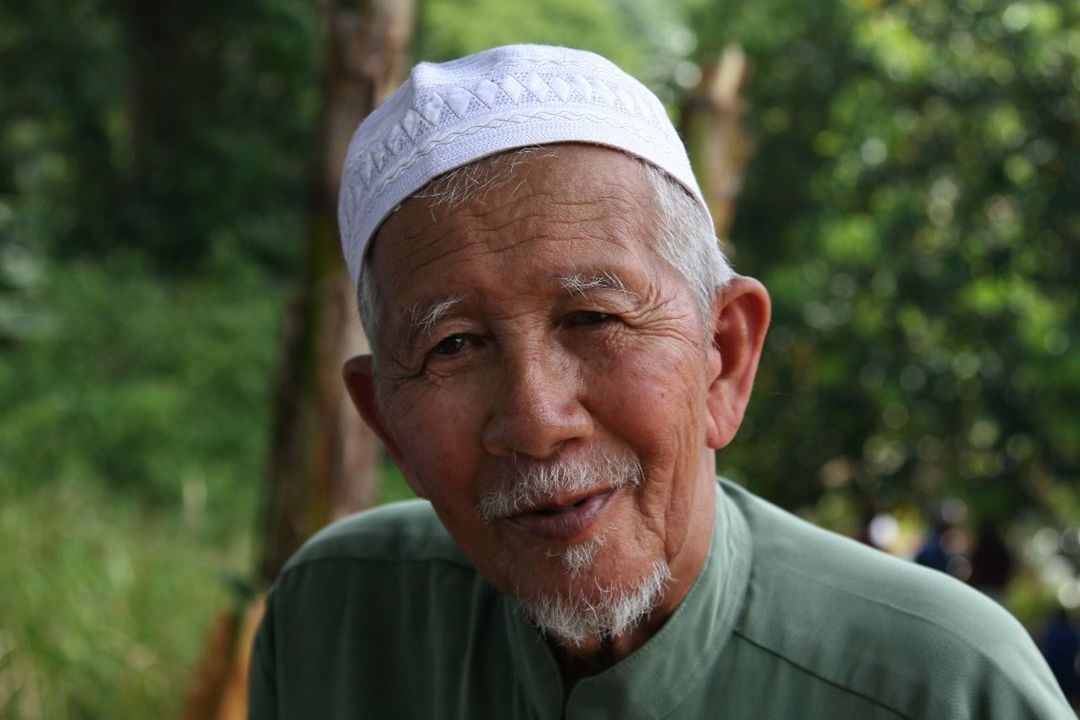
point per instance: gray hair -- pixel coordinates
(685, 237)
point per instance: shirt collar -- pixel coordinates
(653, 680)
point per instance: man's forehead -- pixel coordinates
(564, 200)
(500, 182)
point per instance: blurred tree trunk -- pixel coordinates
(322, 459)
(719, 146)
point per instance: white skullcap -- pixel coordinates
(450, 114)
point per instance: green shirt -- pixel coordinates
(381, 616)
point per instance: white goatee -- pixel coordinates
(607, 611)
(575, 619)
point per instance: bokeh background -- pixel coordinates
(911, 201)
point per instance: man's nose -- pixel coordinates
(536, 405)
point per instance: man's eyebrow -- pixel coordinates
(423, 316)
(581, 282)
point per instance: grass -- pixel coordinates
(132, 442)
(104, 605)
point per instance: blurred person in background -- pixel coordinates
(1059, 642)
(991, 562)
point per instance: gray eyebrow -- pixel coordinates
(422, 317)
(582, 282)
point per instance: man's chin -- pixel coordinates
(586, 609)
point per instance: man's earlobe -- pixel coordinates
(740, 319)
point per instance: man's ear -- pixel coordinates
(359, 376)
(740, 318)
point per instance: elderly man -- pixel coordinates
(559, 348)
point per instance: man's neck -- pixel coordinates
(576, 666)
(598, 654)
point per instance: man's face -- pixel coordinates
(535, 326)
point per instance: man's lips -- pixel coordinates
(563, 519)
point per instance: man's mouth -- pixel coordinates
(564, 519)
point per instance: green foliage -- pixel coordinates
(392, 486)
(154, 388)
(153, 162)
(649, 39)
(450, 30)
(911, 207)
(92, 624)
(159, 126)
(132, 441)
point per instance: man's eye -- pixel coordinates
(451, 345)
(588, 318)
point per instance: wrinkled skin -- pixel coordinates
(519, 369)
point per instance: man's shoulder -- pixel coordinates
(790, 552)
(878, 625)
(402, 532)
(372, 607)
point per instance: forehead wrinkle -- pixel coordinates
(477, 236)
(617, 207)
(413, 243)
(418, 243)
(613, 208)
(604, 225)
(625, 207)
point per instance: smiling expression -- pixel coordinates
(536, 330)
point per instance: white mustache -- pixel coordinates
(538, 481)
